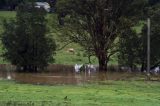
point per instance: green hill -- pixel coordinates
(62, 56)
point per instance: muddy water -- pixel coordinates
(60, 74)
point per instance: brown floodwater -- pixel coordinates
(61, 74)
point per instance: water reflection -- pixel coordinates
(61, 74)
(51, 78)
(5, 71)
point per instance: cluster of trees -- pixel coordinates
(26, 41)
(135, 53)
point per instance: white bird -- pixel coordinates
(9, 77)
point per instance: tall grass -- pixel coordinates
(108, 93)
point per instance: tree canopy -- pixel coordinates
(95, 24)
(25, 39)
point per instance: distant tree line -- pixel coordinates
(9, 4)
(12, 4)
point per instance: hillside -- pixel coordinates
(62, 56)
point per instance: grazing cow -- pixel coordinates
(86, 68)
(77, 67)
(156, 70)
(71, 50)
(91, 67)
(125, 68)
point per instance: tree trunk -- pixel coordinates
(24, 68)
(103, 61)
(143, 65)
(89, 59)
(35, 68)
(29, 68)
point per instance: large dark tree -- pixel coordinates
(25, 40)
(95, 24)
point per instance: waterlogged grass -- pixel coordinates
(109, 93)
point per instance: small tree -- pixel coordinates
(129, 47)
(154, 13)
(25, 40)
(133, 47)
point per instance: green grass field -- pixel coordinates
(109, 93)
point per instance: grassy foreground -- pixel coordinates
(110, 93)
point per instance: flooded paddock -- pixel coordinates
(62, 74)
